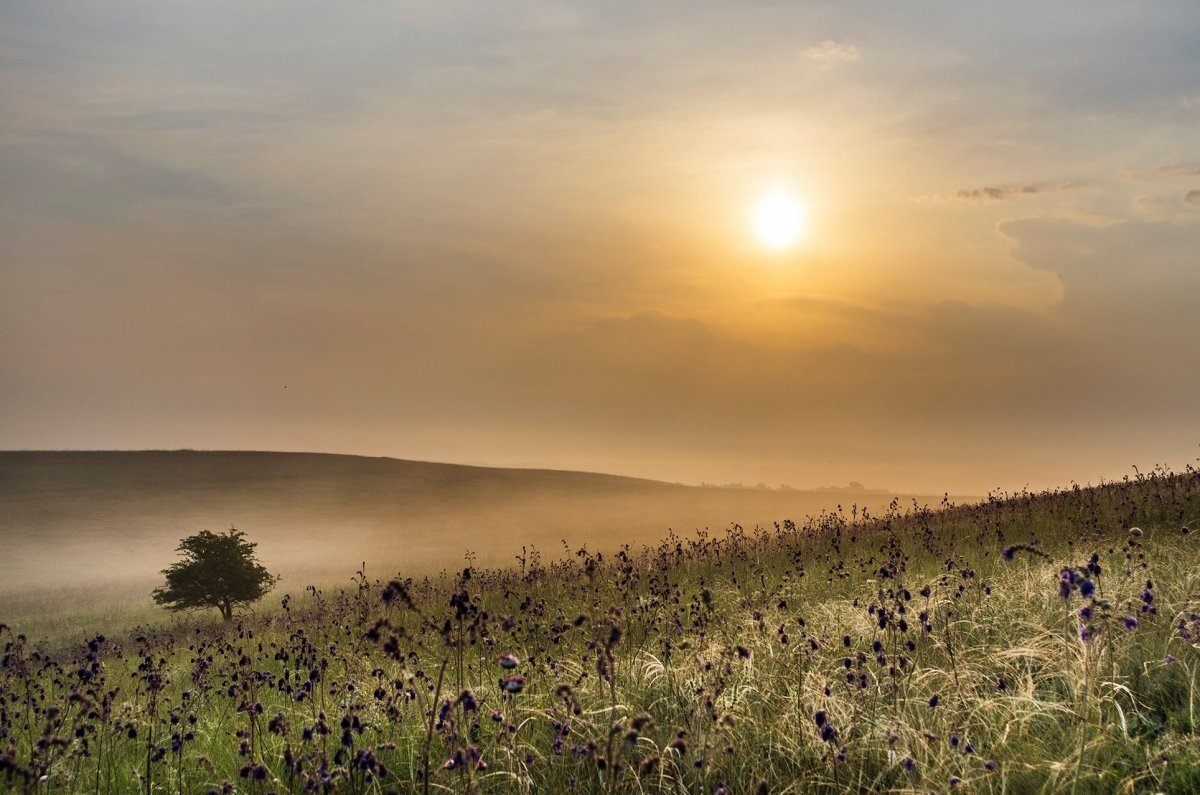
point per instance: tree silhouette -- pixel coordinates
(217, 570)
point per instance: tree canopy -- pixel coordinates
(217, 570)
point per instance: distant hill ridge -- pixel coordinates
(116, 516)
(32, 468)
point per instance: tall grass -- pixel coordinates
(1033, 642)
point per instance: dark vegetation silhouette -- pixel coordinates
(217, 570)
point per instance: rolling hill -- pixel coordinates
(107, 517)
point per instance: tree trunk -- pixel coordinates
(226, 611)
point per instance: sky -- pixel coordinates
(519, 234)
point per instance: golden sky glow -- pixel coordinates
(527, 235)
(779, 221)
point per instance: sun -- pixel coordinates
(778, 220)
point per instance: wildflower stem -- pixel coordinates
(437, 697)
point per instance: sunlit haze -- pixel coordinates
(934, 246)
(779, 221)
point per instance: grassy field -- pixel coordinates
(1031, 642)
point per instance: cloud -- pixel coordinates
(451, 187)
(995, 194)
(1192, 197)
(1102, 348)
(77, 176)
(1007, 192)
(829, 51)
(1105, 362)
(1171, 171)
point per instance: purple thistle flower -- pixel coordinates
(508, 661)
(1087, 589)
(1064, 588)
(1130, 622)
(933, 701)
(828, 733)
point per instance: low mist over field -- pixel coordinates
(82, 518)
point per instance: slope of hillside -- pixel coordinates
(107, 517)
(1039, 643)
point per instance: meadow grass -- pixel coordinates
(1029, 643)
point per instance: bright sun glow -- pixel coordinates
(779, 221)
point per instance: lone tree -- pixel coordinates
(217, 570)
